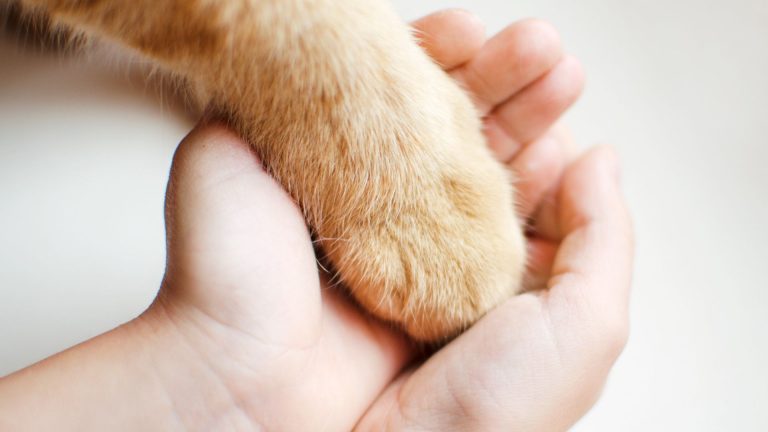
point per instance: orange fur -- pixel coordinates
(379, 147)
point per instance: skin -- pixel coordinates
(246, 334)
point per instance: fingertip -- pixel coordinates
(616, 202)
(195, 158)
(576, 71)
(603, 161)
(536, 40)
(209, 156)
(471, 23)
(208, 153)
(600, 159)
(589, 190)
(451, 37)
(611, 161)
(572, 79)
(212, 141)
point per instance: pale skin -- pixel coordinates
(245, 333)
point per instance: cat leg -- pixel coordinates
(380, 147)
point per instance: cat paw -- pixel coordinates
(438, 245)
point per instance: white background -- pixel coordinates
(679, 87)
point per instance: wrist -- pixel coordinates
(139, 376)
(192, 390)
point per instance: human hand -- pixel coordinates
(538, 361)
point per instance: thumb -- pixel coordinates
(238, 247)
(592, 273)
